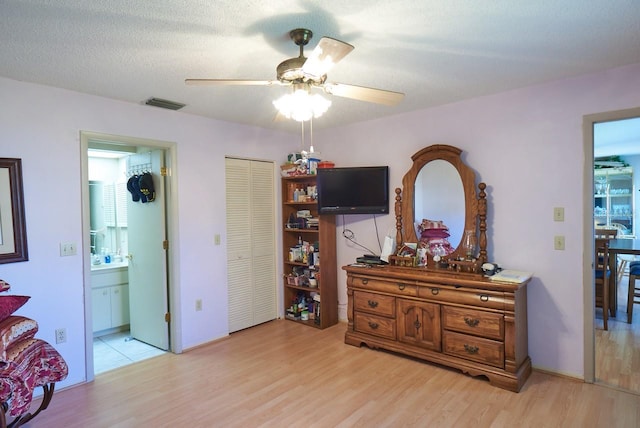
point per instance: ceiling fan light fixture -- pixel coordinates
(301, 105)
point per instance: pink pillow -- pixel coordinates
(435, 233)
(432, 224)
(11, 303)
(15, 329)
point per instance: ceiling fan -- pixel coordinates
(307, 73)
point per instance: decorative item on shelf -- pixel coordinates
(469, 244)
(288, 169)
(299, 281)
(304, 307)
(490, 268)
(316, 309)
(434, 234)
(314, 160)
(463, 266)
(326, 164)
(422, 256)
(406, 256)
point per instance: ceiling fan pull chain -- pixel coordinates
(311, 135)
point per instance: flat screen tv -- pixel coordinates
(353, 190)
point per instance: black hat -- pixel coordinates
(134, 187)
(145, 183)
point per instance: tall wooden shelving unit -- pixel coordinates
(325, 236)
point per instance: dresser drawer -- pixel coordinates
(378, 304)
(403, 288)
(474, 322)
(473, 348)
(371, 324)
(463, 296)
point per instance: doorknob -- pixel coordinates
(129, 257)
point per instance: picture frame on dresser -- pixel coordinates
(13, 231)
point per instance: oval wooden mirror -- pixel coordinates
(440, 188)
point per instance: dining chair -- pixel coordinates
(621, 261)
(634, 292)
(606, 233)
(602, 275)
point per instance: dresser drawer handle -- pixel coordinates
(471, 322)
(372, 303)
(373, 325)
(401, 287)
(470, 349)
(365, 281)
(435, 291)
(484, 298)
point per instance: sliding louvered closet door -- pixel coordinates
(251, 246)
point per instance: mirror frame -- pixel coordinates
(475, 206)
(12, 214)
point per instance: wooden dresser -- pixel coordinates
(464, 321)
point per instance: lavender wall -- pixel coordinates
(42, 127)
(527, 145)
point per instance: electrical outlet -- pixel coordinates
(198, 304)
(558, 242)
(558, 214)
(61, 335)
(216, 239)
(68, 249)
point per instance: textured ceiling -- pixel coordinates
(434, 51)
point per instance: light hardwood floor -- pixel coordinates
(618, 349)
(282, 374)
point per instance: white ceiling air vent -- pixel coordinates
(159, 102)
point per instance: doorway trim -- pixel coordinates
(588, 286)
(175, 336)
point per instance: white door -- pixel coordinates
(148, 291)
(250, 243)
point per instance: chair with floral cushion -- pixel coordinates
(25, 363)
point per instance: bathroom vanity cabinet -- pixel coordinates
(109, 297)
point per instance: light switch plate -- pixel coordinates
(558, 214)
(558, 242)
(68, 249)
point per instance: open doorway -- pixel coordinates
(126, 260)
(615, 173)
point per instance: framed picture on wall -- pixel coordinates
(13, 231)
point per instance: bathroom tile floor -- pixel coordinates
(118, 350)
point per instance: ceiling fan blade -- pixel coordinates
(328, 52)
(379, 96)
(229, 82)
